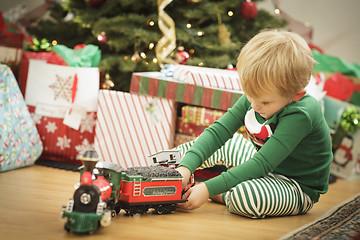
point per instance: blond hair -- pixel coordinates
(275, 61)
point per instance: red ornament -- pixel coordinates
(182, 56)
(102, 38)
(248, 9)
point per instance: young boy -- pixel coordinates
(286, 165)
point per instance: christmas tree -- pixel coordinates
(135, 35)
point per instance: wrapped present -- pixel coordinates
(344, 122)
(199, 115)
(131, 127)
(81, 56)
(182, 138)
(156, 84)
(20, 143)
(11, 44)
(189, 128)
(63, 104)
(208, 77)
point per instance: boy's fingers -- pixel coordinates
(186, 195)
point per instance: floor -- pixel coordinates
(32, 197)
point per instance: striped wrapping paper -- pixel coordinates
(156, 84)
(131, 127)
(208, 77)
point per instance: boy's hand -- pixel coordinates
(185, 173)
(196, 197)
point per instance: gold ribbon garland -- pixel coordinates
(167, 43)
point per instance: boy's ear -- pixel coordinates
(299, 95)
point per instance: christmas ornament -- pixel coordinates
(248, 9)
(108, 83)
(102, 38)
(167, 43)
(181, 56)
(231, 67)
(94, 3)
(136, 57)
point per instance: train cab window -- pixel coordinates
(107, 176)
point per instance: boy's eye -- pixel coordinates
(265, 103)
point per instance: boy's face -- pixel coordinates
(268, 104)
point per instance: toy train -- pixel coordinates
(105, 189)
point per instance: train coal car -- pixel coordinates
(154, 187)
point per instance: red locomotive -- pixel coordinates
(105, 189)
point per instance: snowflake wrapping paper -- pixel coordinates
(131, 127)
(20, 143)
(208, 77)
(50, 94)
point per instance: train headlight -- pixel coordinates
(85, 198)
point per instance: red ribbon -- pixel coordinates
(73, 91)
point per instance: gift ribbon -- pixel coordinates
(73, 91)
(73, 95)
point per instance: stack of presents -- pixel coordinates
(53, 107)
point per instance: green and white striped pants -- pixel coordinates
(272, 195)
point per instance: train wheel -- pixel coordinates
(117, 209)
(172, 208)
(131, 211)
(143, 209)
(160, 209)
(165, 209)
(113, 213)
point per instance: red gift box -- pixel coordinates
(11, 44)
(187, 128)
(200, 116)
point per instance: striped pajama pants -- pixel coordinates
(272, 195)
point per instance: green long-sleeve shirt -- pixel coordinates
(296, 144)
